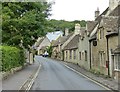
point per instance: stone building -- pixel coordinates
(57, 45)
(93, 44)
(103, 41)
(83, 45)
(70, 47)
(42, 45)
(71, 50)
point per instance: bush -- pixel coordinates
(49, 50)
(11, 57)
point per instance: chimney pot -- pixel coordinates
(66, 31)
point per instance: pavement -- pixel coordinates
(108, 82)
(20, 78)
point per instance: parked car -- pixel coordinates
(45, 54)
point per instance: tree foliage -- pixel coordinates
(23, 22)
(49, 50)
(55, 25)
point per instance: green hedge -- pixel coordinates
(11, 57)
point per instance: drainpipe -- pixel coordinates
(108, 57)
(119, 31)
(90, 53)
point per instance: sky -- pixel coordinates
(77, 9)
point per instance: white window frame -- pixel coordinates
(74, 51)
(102, 58)
(116, 62)
(70, 54)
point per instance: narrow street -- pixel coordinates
(55, 76)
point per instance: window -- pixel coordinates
(80, 55)
(85, 55)
(102, 58)
(74, 54)
(117, 62)
(70, 54)
(101, 33)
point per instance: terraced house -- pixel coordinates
(104, 41)
(42, 44)
(83, 45)
(96, 46)
(71, 53)
(57, 45)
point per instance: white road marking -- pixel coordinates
(87, 77)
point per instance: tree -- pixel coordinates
(49, 50)
(24, 22)
(62, 24)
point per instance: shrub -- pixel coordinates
(11, 57)
(49, 50)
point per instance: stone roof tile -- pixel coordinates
(73, 44)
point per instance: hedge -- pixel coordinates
(11, 57)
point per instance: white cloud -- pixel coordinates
(77, 9)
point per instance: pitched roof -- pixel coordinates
(73, 44)
(39, 42)
(62, 39)
(98, 19)
(116, 11)
(110, 23)
(96, 22)
(91, 25)
(43, 48)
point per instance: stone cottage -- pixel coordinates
(83, 46)
(70, 47)
(42, 45)
(57, 45)
(71, 50)
(103, 41)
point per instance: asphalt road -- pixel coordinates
(55, 76)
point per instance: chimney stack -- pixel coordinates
(97, 12)
(77, 28)
(66, 31)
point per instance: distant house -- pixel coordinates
(71, 50)
(42, 45)
(70, 47)
(57, 45)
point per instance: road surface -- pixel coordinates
(55, 76)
